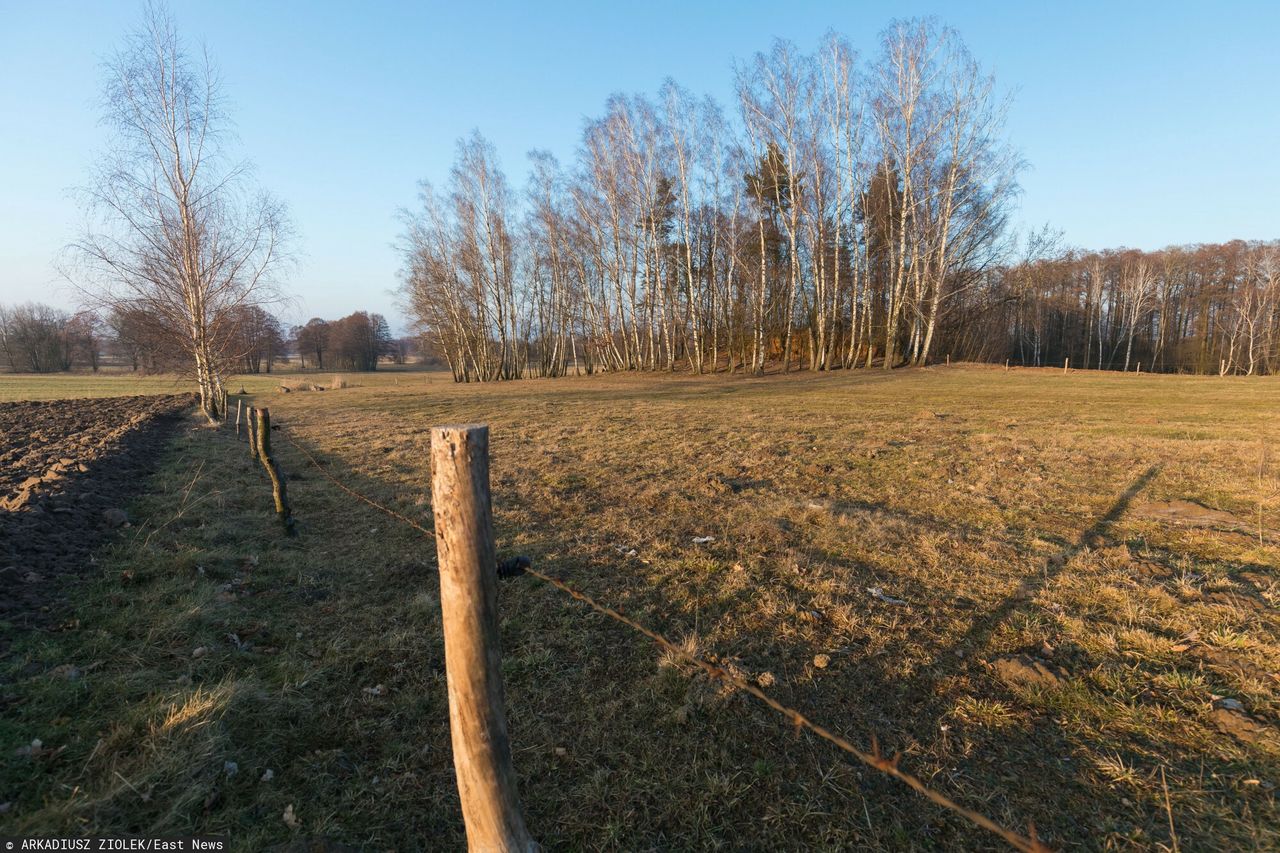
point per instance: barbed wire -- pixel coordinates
(391, 512)
(873, 758)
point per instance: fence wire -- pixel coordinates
(873, 758)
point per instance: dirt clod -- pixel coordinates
(1241, 726)
(1027, 671)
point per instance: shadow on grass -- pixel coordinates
(975, 639)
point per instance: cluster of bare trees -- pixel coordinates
(253, 340)
(355, 342)
(829, 221)
(176, 232)
(141, 343)
(259, 340)
(36, 338)
(1191, 309)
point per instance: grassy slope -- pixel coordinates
(966, 492)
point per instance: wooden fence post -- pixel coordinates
(253, 432)
(469, 606)
(1066, 366)
(278, 491)
(239, 407)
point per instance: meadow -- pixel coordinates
(115, 382)
(1057, 597)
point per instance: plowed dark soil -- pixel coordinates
(68, 469)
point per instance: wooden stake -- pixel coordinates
(239, 407)
(948, 359)
(278, 490)
(1139, 368)
(469, 607)
(253, 432)
(1066, 366)
(1006, 365)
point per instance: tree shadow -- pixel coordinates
(980, 631)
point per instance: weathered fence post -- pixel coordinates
(469, 606)
(253, 432)
(1139, 368)
(1066, 366)
(278, 491)
(239, 407)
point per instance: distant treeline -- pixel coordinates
(355, 342)
(37, 338)
(847, 213)
(1185, 309)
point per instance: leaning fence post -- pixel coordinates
(469, 607)
(239, 407)
(278, 491)
(1066, 366)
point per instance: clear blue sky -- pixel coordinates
(1145, 124)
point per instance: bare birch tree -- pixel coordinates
(175, 227)
(1137, 287)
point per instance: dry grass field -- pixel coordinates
(1058, 597)
(117, 383)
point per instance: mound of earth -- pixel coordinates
(67, 470)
